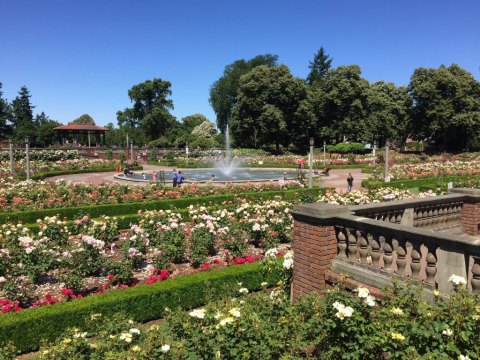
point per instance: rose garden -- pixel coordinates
(121, 271)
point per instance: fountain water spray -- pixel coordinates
(228, 165)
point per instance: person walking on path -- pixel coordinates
(350, 182)
(174, 177)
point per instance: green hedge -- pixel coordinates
(27, 328)
(95, 211)
(41, 176)
(426, 183)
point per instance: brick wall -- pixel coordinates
(315, 246)
(471, 218)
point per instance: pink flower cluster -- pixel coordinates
(158, 276)
(8, 306)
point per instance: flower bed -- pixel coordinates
(80, 256)
(337, 325)
(55, 167)
(45, 195)
(27, 329)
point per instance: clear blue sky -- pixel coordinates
(80, 57)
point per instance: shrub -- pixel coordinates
(28, 328)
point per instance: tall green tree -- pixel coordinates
(45, 135)
(5, 113)
(344, 102)
(223, 92)
(267, 108)
(446, 107)
(22, 116)
(84, 119)
(318, 67)
(151, 108)
(388, 109)
(190, 122)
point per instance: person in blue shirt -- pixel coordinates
(174, 177)
(180, 178)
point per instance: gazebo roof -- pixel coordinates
(80, 127)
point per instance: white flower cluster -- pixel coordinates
(342, 310)
(457, 280)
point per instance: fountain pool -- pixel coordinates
(205, 175)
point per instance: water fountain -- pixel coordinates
(228, 165)
(226, 170)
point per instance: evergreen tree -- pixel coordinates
(5, 112)
(318, 67)
(22, 115)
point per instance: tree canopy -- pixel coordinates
(84, 119)
(266, 111)
(223, 92)
(318, 67)
(151, 108)
(446, 106)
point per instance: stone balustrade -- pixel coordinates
(374, 243)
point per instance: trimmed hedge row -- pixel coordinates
(95, 211)
(27, 328)
(423, 183)
(41, 176)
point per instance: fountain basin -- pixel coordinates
(238, 175)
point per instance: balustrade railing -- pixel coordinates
(397, 251)
(438, 214)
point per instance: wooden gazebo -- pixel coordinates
(81, 134)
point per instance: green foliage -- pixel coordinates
(224, 91)
(266, 110)
(318, 67)
(446, 106)
(109, 154)
(84, 119)
(150, 110)
(345, 148)
(28, 328)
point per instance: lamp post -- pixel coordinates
(186, 149)
(131, 152)
(312, 141)
(387, 177)
(27, 158)
(324, 153)
(127, 148)
(374, 153)
(10, 153)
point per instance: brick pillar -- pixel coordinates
(314, 246)
(471, 218)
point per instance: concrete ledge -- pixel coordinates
(375, 279)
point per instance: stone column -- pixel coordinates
(314, 246)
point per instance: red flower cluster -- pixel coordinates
(8, 306)
(49, 300)
(164, 274)
(69, 294)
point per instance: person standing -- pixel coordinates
(174, 177)
(180, 178)
(350, 182)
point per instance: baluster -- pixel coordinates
(431, 268)
(435, 218)
(342, 244)
(352, 245)
(375, 245)
(363, 244)
(476, 275)
(416, 257)
(401, 251)
(415, 218)
(387, 254)
(399, 218)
